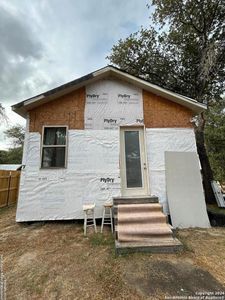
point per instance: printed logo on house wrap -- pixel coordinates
(127, 98)
(93, 98)
(107, 180)
(110, 123)
(140, 121)
(110, 183)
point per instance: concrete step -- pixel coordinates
(138, 238)
(140, 217)
(142, 231)
(145, 208)
(135, 200)
(152, 246)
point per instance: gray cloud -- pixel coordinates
(19, 49)
(47, 43)
(16, 37)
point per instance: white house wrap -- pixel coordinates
(92, 173)
(111, 103)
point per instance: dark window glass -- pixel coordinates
(55, 136)
(54, 147)
(133, 159)
(53, 157)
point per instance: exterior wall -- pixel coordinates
(162, 113)
(92, 172)
(66, 110)
(91, 176)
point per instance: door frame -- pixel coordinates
(134, 192)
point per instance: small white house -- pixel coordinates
(101, 136)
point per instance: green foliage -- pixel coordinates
(186, 55)
(13, 155)
(16, 133)
(215, 138)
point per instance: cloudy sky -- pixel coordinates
(45, 43)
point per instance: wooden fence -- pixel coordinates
(9, 187)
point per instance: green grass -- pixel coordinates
(6, 208)
(184, 241)
(215, 209)
(99, 239)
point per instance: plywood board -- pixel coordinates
(184, 190)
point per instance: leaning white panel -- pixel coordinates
(185, 192)
(92, 175)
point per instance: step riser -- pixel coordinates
(144, 234)
(140, 200)
(142, 220)
(146, 248)
(131, 210)
(127, 239)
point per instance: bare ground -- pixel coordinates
(53, 260)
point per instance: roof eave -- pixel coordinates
(192, 104)
(23, 107)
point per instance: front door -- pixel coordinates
(133, 162)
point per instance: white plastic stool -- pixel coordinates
(89, 217)
(107, 217)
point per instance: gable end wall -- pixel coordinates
(69, 110)
(162, 113)
(66, 110)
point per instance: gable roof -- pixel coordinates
(23, 107)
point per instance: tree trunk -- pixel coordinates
(207, 173)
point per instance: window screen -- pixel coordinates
(54, 147)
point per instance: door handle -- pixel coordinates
(145, 167)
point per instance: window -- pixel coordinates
(54, 143)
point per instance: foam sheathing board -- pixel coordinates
(184, 190)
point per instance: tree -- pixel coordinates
(16, 133)
(3, 157)
(185, 54)
(3, 116)
(13, 155)
(215, 138)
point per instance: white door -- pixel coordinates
(133, 162)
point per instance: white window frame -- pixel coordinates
(54, 146)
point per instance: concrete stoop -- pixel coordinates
(171, 246)
(141, 226)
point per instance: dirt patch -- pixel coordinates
(53, 260)
(178, 278)
(26, 259)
